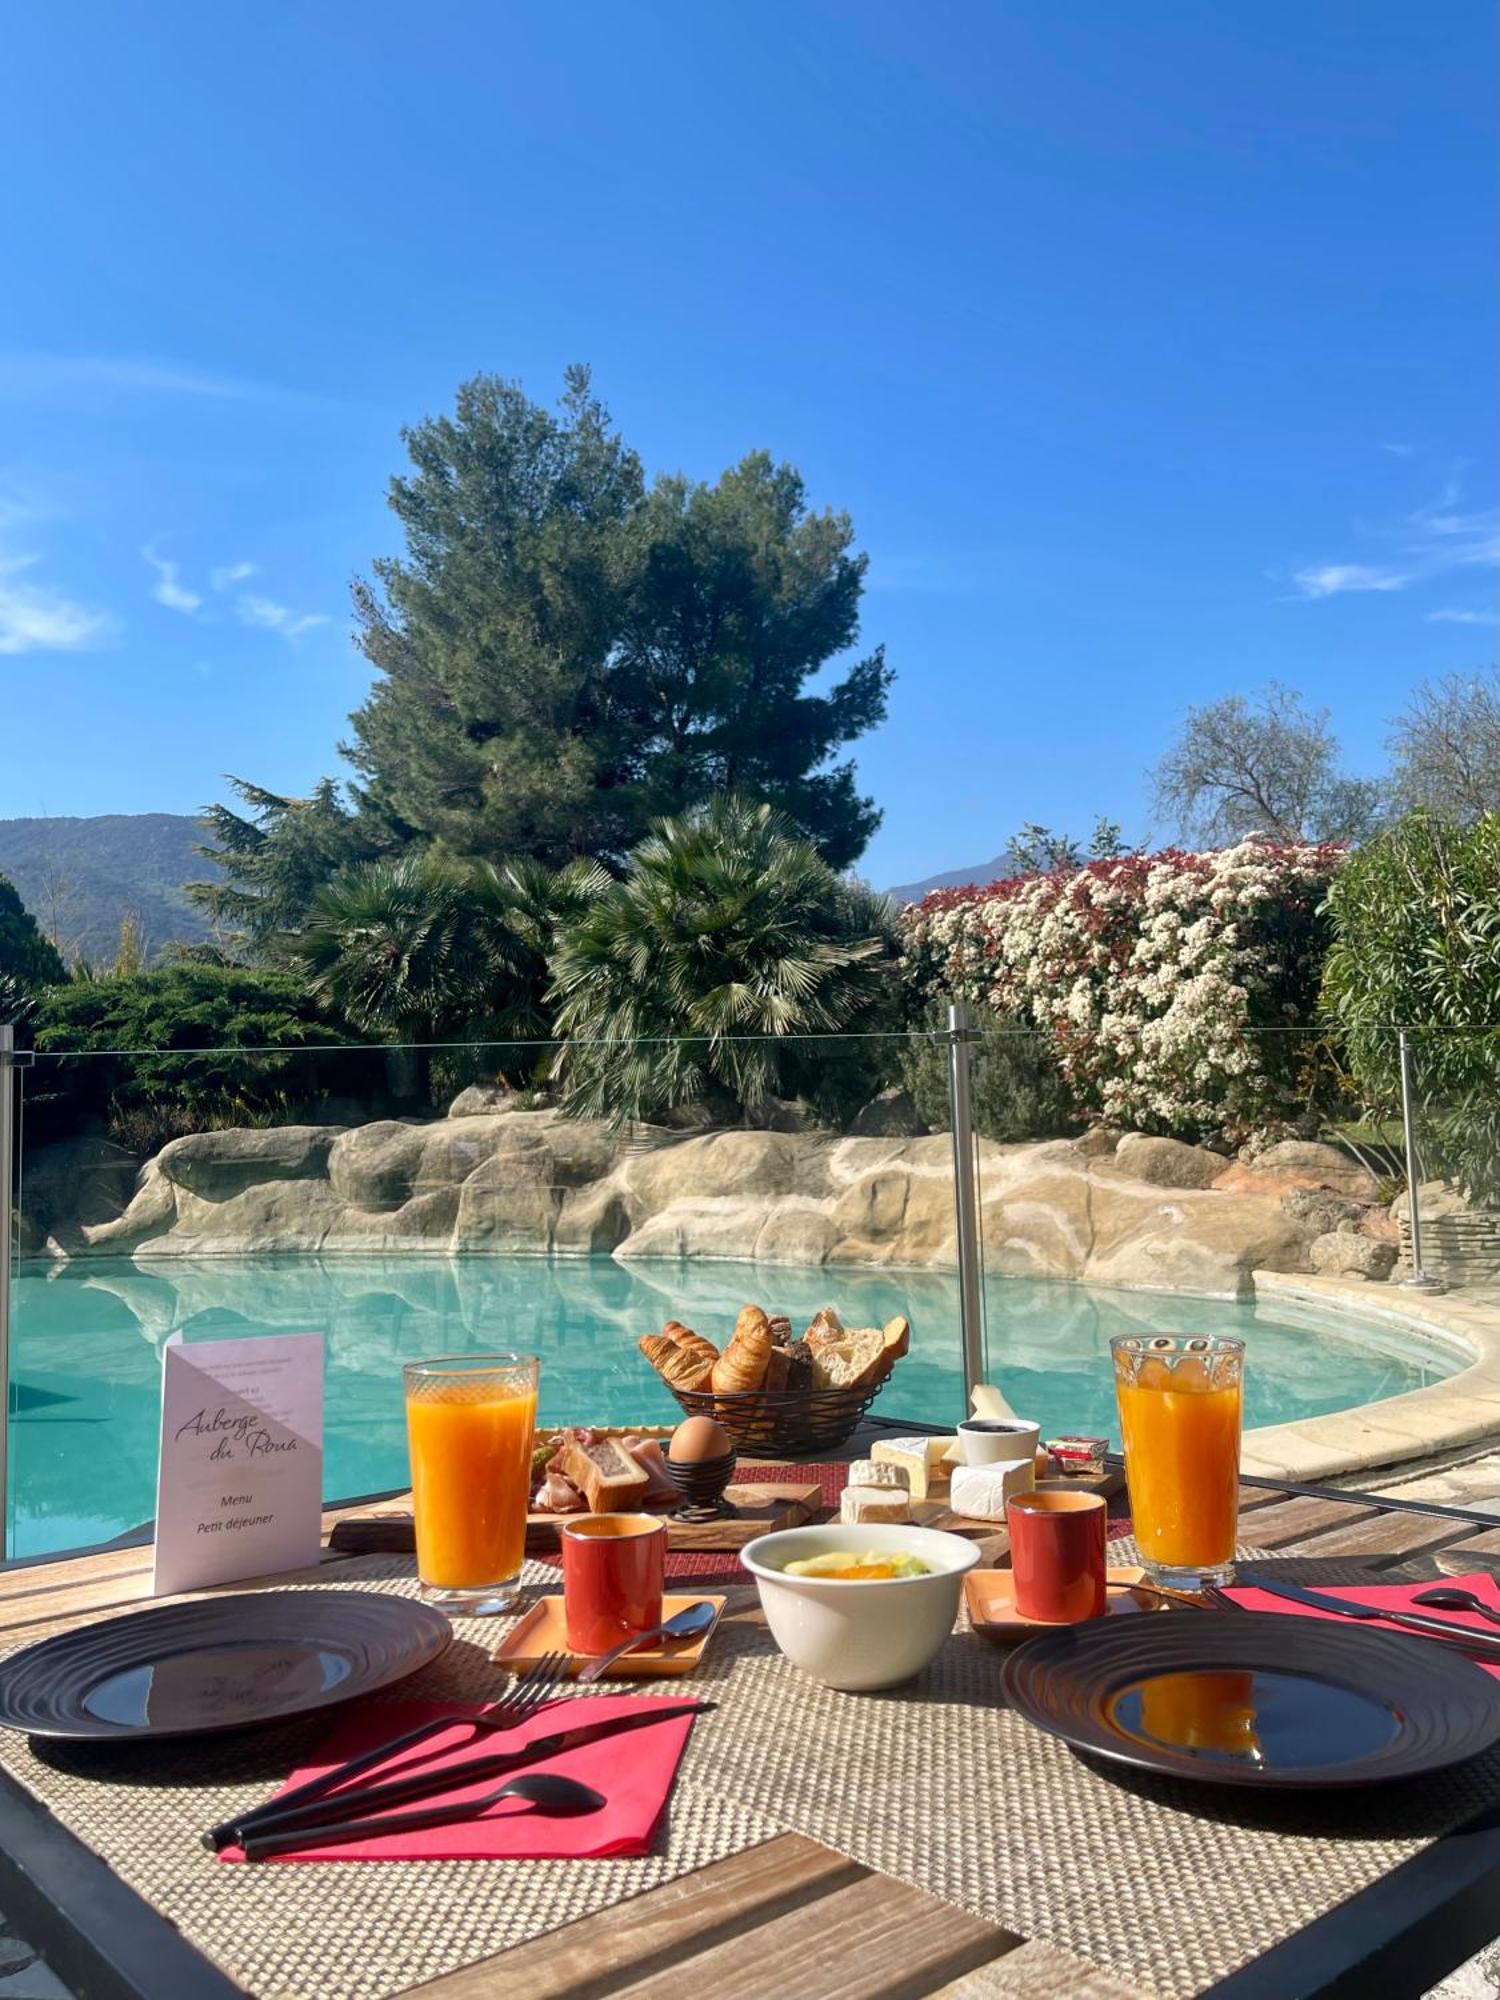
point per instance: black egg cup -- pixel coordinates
(702, 1487)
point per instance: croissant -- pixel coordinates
(743, 1363)
(675, 1365)
(752, 1321)
(690, 1342)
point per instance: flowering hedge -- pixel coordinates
(1155, 977)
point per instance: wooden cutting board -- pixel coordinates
(759, 1509)
(936, 1513)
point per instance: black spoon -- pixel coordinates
(1450, 1597)
(563, 1798)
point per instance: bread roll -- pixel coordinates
(778, 1367)
(799, 1368)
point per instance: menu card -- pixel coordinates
(239, 1491)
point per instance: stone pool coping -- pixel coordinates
(1441, 1417)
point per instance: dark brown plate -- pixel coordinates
(1251, 1698)
(217, 1663)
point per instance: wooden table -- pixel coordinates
(789, 1916)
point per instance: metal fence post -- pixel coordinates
(965, 1198)
(1418, 1281)
(7, 1231)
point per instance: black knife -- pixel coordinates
(1486, 1644)
(363, 1800)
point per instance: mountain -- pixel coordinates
(956, 878)
(80, 877)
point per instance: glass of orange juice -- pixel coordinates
(1180, 1414)
(469, 1425)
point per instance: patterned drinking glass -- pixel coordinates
(1180, 1415)
(469, 1425)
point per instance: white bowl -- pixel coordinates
(869, 1634)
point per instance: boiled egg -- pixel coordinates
(697, 1439)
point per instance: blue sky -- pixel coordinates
(1149, 345)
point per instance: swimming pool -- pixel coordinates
(87, 1336)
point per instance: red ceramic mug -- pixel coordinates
(1057, 1555)
(612, 1572)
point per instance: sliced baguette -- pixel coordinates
(826, 1325)
(897, 1336)
(849, 1362)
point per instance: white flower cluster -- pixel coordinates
(1166, 984)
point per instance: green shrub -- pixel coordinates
(1016, 1089)
(185, 1048)
(1416, 918)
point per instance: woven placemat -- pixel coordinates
(937, 1784)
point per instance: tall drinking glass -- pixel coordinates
(1180, 1416)
(469, 1425)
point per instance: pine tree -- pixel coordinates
(274, 858)
(564, 655)
(26, 956)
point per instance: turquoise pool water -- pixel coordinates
(87, 1339)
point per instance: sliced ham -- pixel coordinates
(648, 1456)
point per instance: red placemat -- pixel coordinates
(1391, 1597)
(634, 1773)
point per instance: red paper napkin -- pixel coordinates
(1395, 1596)
(634, 1771)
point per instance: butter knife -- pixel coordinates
(1485, 1644)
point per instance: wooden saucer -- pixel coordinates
(990, 1598)
(544, 1630)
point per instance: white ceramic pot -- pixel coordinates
(860, 1635)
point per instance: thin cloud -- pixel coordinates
(1334, 579)
(1463, 618)
(1432, 540)
(168, 588)
(31, 375)
(270, 616)
(1400, 450)
(229, 574)
(37, 619)
(34, 617)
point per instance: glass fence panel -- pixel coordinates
(1453, 1087)
(419, 1200)
(1152, 1208)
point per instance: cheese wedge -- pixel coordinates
(873, 1472)
(988, 1402)
(981, 1491)
(864, 1504)
(922, 1459)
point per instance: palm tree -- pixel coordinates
(727, 940)
(426, 949)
